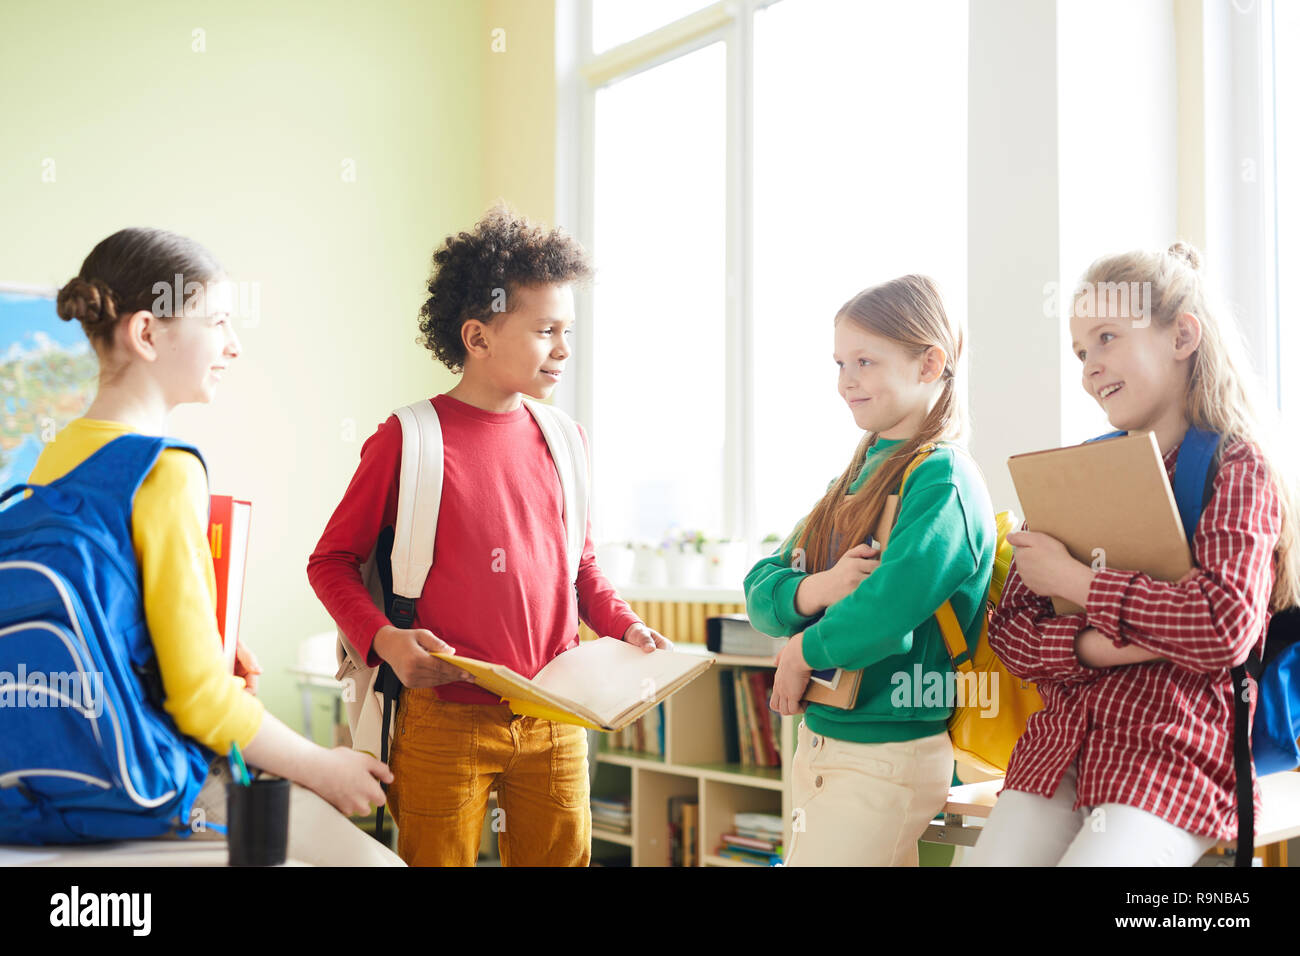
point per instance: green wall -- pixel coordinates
(242, 147)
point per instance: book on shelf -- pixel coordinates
(612, 814)
(730, 726)
(838, 687)
(677, 832)
(690, 834)
(1108, 500)
(733, 634)
(229, 521)
(751, 730)
(757, 839)
(603, 684)
(753, 822)
(645, 735)
(752, 842)
(753, 857)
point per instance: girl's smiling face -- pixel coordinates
(889, 389)
(196, 347)
(1135, 370)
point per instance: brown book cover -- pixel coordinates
(1108, 502)
(690, 834)
(844, 694)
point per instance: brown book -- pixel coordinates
(1108, 502)
(841, 690)
(690, 834)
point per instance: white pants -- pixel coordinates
(865, 804)
(318, 834)
(1027, 829)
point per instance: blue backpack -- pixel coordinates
(1272, 742)
(89, 753)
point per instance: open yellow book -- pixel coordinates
(603, 684)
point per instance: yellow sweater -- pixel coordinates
(169, 532)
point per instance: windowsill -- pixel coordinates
(638, 592)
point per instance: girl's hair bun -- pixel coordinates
(1187, 253)
(89, 301)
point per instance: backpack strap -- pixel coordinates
(120, 466)
(1105, 436)
(1193, 487)
(1192, 490)
(419, 493)
(1192, 484)
(569, 453)
(953, 636)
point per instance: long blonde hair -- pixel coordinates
(1222, 389)
(910, 312)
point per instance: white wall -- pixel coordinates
(1073, 155)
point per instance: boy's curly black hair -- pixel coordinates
(503, 252)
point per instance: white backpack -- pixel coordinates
(419, 494)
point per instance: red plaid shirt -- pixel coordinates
(1156, 735)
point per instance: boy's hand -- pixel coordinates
(410, 654)
(646, 639)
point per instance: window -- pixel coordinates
(750, 166)
(660, 297)
(1285, 68)
(854, 184)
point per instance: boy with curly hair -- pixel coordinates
(499, 309)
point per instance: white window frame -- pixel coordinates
(580, 74)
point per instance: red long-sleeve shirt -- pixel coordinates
(1156, 735)
(499, 589)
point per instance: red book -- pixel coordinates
(228, 524)
(759, 680)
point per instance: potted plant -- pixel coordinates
(685, 557)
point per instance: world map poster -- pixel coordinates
(48, 375)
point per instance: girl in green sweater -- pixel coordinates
(867, 781)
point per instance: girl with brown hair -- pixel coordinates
(866, 781)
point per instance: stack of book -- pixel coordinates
(611, 814)
(645, 736)
(751, 730)
(733, 634)
(756, 838)
(683, 831)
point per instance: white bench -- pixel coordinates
(1278, 822)
(123, 853)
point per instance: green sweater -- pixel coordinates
(941, 549)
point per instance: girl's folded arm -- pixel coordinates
(1031, 640)
(169, 531)
(770, 589)
(922, 567)
(1212, 618)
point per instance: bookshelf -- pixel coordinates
(694, 759)
(693, 764)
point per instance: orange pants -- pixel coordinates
(447, 757)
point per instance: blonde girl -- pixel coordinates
(1130, 762)
(866, 781)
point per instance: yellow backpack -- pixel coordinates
(980, 739)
